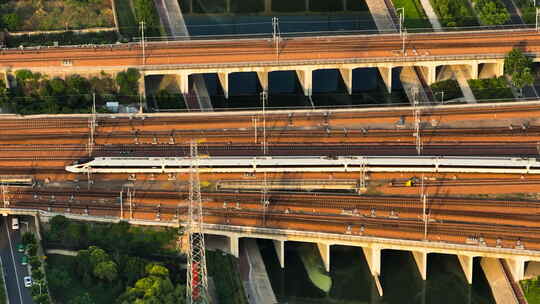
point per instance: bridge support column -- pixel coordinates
(466, 262)
(307, 5)
(474, 71)
(263, 80)
(142, 85)
(280, 252)
(324, 250)
(430, 74)
(234, 246)
(306, 80)
(386, 75)
(6, 79)
(517, 267)
(224, 81)
(183, 83)
(500, 68)
(420, 257)
(373, 258)
(346, 74)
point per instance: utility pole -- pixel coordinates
(423, 197)
(142, 42)
(4, 195)
(92, 126)
(417, 119)
(363, 170)
(264, 198)
(276, 35)
(197, 280)
(254, 120)
(121, 204)
(264, 99)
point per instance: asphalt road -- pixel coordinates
(14, 272)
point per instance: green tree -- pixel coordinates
(106, 271)
(32, 249)
(492, 12)
(37, 274)
(133, 269)
(156, 287)
(34, 262)
(59, 278)
(97, 255)
(28, 238)
(519, 68)
(83, 299)
(515, 61)
(128, 82)
(11, 21)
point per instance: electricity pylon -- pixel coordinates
(197, 280)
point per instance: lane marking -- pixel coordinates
(13, 258)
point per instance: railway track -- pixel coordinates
(365, 225)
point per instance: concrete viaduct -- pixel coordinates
(371, 246)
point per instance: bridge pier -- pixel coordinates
(183, 83)
(224, 81)
(420, 257)
(346, 75)
(263, 79)
(142, 85)
(306, 80)
(473, 72)
(466, 262)
(430, 74)
(234, 245)
(517, 267)
(324, 250)
(280, 252)
(373, 258)
(386, 75)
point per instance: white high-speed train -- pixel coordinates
(227, 164)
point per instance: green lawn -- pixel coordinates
(414, 13)
(126, 20)
(492, 88)
(72, 286)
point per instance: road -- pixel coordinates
(11, 260)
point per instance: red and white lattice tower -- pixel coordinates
(197, 280)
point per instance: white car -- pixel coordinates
(27, 281)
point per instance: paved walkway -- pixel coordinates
(432, 16)
(62, 252)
